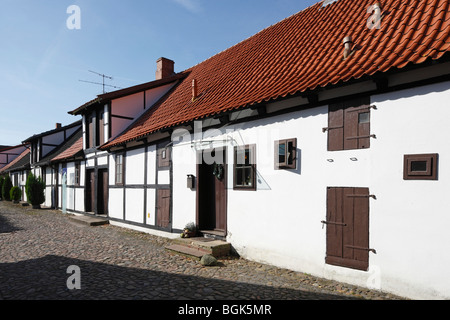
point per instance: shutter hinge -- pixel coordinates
(361, 248)
(331, 128)
(362, 137)
(362, 196)
(333, 222)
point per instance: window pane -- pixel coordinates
(119, 169)
(418, 166)
(364, 117)
(239, 177)
(281, 153)
(248, 177)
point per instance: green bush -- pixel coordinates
(6, 188)
(15, 194)
(2, 179)
(34, 189)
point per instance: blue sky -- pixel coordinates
(42, 61)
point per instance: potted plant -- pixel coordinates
(15, 194)
(190, 230)
(34, 189)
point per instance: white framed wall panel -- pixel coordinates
(134, 164)
(134, 205)
(151, 207)
(115, 204)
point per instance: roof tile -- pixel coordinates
(301, 53)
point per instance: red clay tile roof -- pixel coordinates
(304, 52)
(70, 152)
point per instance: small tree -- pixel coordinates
(15, 194)
(6, 188)
(34, 189)
(2, 179)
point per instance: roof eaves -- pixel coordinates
(74, 124)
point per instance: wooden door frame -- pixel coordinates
(200, 162)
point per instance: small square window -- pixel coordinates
(420, 167)
(286, 154)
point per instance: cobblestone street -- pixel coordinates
(38, 246)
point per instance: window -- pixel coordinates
(349, 125)
(95, 128)
(77, 174)
(420, 167)
(245, 167)
(119, 169)
(348, 228)
(286, 154)
(164, 155)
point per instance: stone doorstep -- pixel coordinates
(197, 247)
(187, 251)
(90, 221)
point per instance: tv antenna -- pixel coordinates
(103, 82)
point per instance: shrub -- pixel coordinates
(34, 189)
(6, 188)
(2, 179)
(15, 194)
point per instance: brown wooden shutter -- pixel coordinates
(163, 208)
(349, 125)
(101, 129)
(348, 227)
(164, 155)
(91, 132)
(336, 127)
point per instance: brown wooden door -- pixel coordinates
(90, 191)
(163, 208)
(348, 227)
(102, 192)
(212, 195)
(220, 189)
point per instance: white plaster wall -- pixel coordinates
(151, 207)
(79, 200)
(163, 177)
(183, 211)
(151, 165)
(112, 171)
(134, 164)
(116, 203)
(134, 205)
(280, 223)
(102, 160)
(410, 218)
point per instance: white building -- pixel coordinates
(300, 149)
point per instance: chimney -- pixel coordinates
(164, 68)
(58, 126)
(347, 46)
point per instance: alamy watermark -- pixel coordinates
(74, 281)
(374, 21)
(73, 22)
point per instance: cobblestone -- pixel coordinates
(37, 247)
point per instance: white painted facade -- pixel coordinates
(280, 222)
